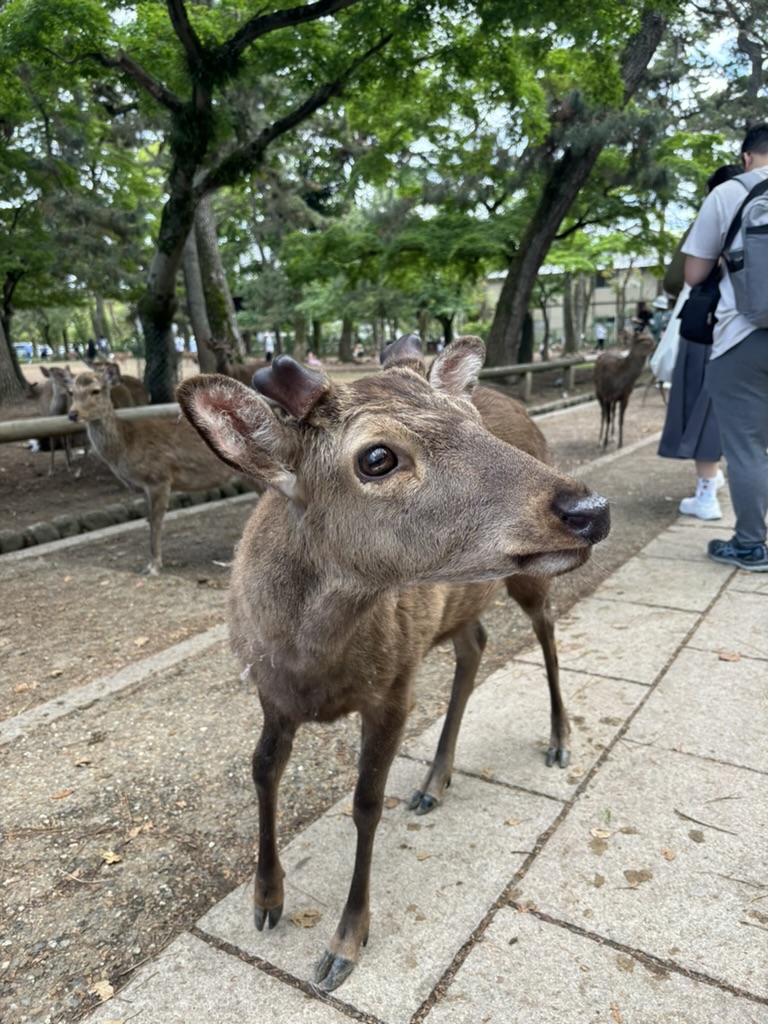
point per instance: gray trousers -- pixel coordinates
(738, 384)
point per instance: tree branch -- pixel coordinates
(152, 85)
(264, 23)
(248, 157)
(187, 36)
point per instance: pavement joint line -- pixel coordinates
(641, 956)
(469, 774)
(698, 757)
(300, 984)
(134, 674)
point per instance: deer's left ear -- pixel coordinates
(456, 369)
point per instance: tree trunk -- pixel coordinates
(566, 177)
(525, 352)
(446, 322)
(13, 384)
(317, 337)
(218, 298)
(300, 337)
(569, 334)
(198, 314)
(345, 342)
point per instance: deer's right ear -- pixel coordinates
(241, 429)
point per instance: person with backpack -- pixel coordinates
(733, 224)
(691, 429)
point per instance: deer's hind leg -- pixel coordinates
(468, 645)
(532, 594)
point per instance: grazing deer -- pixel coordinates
(229, 368)
(390, 517)
(615, 376)
(54, 401)
(153, 455)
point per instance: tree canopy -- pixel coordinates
(386, 155)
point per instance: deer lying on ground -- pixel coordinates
(390, 518)
(227, 366)
(615, 376)
(154, 455)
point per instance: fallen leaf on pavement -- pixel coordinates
(729, 656)
(62, 794)
(103, 990)
(668, 854)
(306, 918)
(110, 857)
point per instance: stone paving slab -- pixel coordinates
(665, 853)
(505, 731)
(618, 639)
(434, 878)
(191, 982)
(529, 971)
(719, 697)
(686, 540)
(691, 586)
(736, 624)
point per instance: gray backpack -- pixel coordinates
(748, 265)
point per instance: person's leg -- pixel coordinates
(738, 384)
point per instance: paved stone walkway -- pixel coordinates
(630, 888)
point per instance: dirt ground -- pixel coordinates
(126, 819)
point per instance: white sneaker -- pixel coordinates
(704, 509)
(719, 480)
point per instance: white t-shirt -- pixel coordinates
(705, 240)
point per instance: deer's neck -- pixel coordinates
(105, 436)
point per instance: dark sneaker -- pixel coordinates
(752, 559)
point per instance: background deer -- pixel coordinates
(615, 376)
(226, 365)
(391, 516)
(153, 456)
(54, 401)
(125, 390)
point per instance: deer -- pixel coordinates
(54, 401)
(153, 455)
(615, 376)
(226, 366)
(389, 518)
(125, 390)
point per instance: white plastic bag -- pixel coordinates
(662, 362)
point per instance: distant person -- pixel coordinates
(659, 316)
(312, 358)
(358, 352)
(269, 347)
(642, 317)
(736, 375)
(599, 336)
(691, 430)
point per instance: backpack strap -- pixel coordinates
(757, 190)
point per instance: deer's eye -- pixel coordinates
(376, 461)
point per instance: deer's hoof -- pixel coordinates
(558, 755)
(422, 803)
(261, 916)
(332, 971)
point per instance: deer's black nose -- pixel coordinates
(588, 516)
(72, 416)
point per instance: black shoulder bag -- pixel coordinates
(697, 317)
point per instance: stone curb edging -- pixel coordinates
(63, 526)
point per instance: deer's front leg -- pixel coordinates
(269, 760)
(380, 739)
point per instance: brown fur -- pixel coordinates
(153, 455)
(615, 376)
(54, 400)
(343, 580)
(226, 365)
